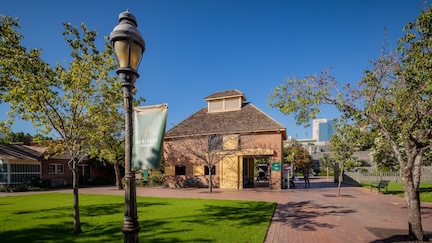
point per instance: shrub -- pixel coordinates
(156, 179)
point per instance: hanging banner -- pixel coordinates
(148, 136)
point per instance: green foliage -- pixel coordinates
(394, 97)
(382, 155)
(32, 184)
(12, 137)
(78, 101)
(352, 163)
(16, 137)
(326, 162)
(65, 100)
(156, 178)
(299, 155)
(344, 142)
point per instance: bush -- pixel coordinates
(19, 188)
(156, 179)
(34, 181)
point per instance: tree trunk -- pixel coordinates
(210, 182)
(412, 199)
(327, 172)
(77, 223)
(340, 179)
(118, 178)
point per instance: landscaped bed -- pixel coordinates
(48, 217)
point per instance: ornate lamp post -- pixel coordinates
(128, 47)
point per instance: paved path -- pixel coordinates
(315, 214)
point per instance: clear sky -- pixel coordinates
(195, 48)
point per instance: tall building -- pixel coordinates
(322, 129)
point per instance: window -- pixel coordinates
(206, 170)
(215, 142)
(3, 173)
(20, 173)
(180, 170)
(55, 169)
(84, 171)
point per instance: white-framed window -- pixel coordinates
(4, 175)
(19, 173)
(55, 169)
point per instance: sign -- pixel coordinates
(276, 166)
(148, 136)
(145, 175)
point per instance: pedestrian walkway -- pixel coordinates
(314, 214)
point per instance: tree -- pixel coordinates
(384, 158)
(64, 101)
(394, 97)
(16, 137)
(208, 149)
(343, 143)
(327, 163)
(382, 155)
(109, 149)
(12, 137)
(107, 142)
(300, 156)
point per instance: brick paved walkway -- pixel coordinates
(315, 214)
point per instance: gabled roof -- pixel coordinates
(248, 119)
(23, 152)
(225, 94)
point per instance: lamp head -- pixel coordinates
(128, 43)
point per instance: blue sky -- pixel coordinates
(195, 48)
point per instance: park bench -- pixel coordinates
(379, 185)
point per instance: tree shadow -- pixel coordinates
(244, 213)
(395, 235)
(240, 216)
(305, 215)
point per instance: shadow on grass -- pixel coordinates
(161, 220)
(394, 192)
(242, 214)
(305, 215)
(62, 231)
(199, 225)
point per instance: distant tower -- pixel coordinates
(322, 129)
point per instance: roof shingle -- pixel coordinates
(24, 152)
(247, 119)
(223, 94)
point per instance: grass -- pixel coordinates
(396, 188)
(48, 217)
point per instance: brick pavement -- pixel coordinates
(315, 214)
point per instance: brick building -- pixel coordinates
(21, 162)
(234, 136)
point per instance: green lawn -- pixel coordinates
(49, 218)
(396, 188)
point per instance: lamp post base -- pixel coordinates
(130, 225)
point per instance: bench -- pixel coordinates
(379, 185)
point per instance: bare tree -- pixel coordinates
(206, 149)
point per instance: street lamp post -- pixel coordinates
(128, 47)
